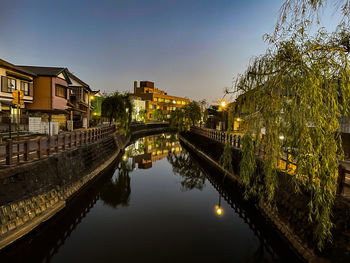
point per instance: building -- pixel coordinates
(80, 100)
(157, 99)
(51, 93)
(14, 78)
(96, 104)
(139, 108)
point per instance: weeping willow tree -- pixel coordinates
(292, 98)
(118, 107)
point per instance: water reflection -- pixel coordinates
(99, 229)
(117, 190)
(150, 149)
(192, 175)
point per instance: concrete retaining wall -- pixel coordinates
(33, 192)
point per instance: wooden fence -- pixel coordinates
(26, 149)
(286, 162)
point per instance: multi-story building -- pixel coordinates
(80, 97)
(139, 107)
(14, 78)
(157, 99)
(51, 93)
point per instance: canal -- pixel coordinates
(159, 204)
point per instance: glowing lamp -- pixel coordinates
(238, 119)
(92, 97)
(281, 137)
(223, 104)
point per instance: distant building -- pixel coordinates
(96, 104)
(139, 106)
(157, 99)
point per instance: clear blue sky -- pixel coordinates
(189, 48)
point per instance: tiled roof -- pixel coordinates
(8, 65)
(44, 71)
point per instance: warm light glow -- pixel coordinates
(124, 157)
(223, 104)
(218, 210)
(95, 113)
(92, 97)
(238, 119)
(281, 137)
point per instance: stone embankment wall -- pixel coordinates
(291, 216)
(33, 192)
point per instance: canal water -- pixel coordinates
(159, 204)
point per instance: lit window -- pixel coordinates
(178, 102)
(174, 101)
(151, 106)
(183, 102)
(155, 99)
(167, 100)
(25, 88)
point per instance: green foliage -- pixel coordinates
(298, 89)
(192, 112)
(142, 115)
(189, 114)
(177, 120)
(118, 107)
(158, 115)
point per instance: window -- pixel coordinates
(8, 84)
(178, 102)
(61, 91)
(160, 100)
(155, 99)
(25, 88)
(151, 106)
(183, 103)
(167, 100)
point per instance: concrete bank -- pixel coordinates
(292, 208)
(33, 192)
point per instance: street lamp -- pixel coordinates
(223, 104)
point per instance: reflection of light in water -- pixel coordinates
(218, 210)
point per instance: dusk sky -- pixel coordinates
(188, 48)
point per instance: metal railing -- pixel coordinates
(285, 163)
(27, 149)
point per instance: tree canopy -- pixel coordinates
(118, 107)
(291, 99)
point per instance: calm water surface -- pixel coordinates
(156, 206)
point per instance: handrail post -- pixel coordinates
(38, 147)
(48, 145)
(64, 142)
(56, 143)
(26, 149)
(9, 151)
(70, 140)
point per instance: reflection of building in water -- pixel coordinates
(152, 148)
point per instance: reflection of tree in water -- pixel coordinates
(117, 190)
(192, 176)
